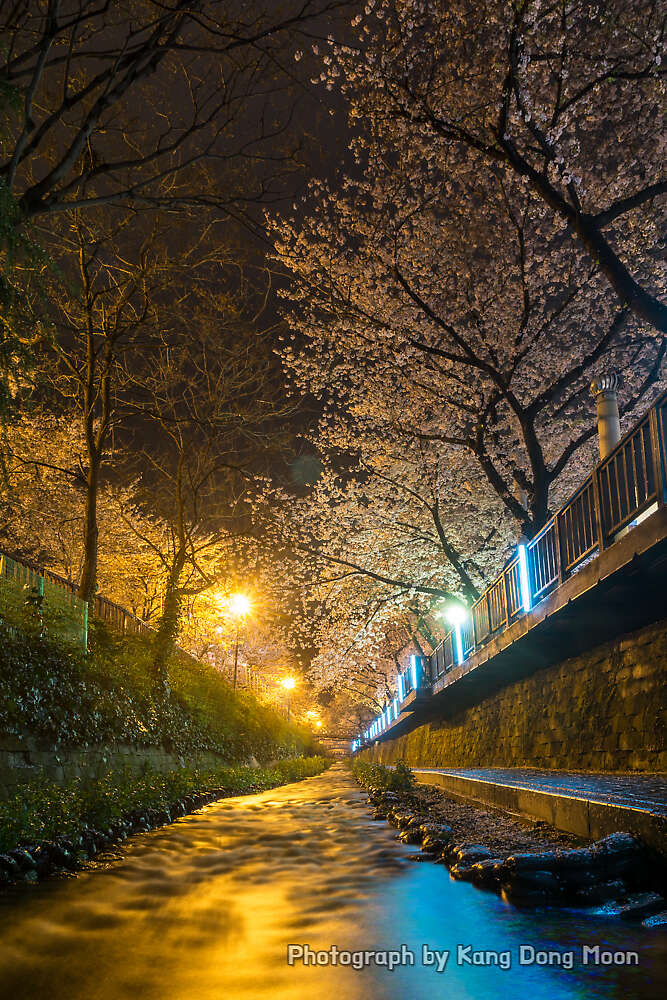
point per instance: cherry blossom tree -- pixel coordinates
(97, 316)
(44, 498)
(96, 312)
(454, 363)
(450, 313)
(455, 355)
(567, 97)
(206, 411)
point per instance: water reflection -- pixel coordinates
(206, 908)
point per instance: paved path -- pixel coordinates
(639, 791)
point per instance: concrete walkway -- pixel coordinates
(643, 791)
(588, 805)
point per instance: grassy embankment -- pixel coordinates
(43, 812)
(65, 698)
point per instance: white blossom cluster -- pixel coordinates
(456, 292)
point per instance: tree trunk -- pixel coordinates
(165, 638)
(88, 581)
(539, 507)
(169, 624)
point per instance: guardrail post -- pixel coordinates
(558, 550)
(84, 627)
(659, 471)
(507, 599)
(598, 509)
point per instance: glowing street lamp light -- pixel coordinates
(289, 684)
(314, 718)
(239, 607)
(456, 614)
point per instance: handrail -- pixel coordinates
(622, 487)
(109, 611)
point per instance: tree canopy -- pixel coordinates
(494, 246)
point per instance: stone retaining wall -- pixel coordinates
(24, 759)
(604, 710)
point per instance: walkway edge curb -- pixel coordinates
(586, 818)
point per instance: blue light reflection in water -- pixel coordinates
(425, 906)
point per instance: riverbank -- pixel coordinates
(208, 907)
(527, 863)
(47, 828)
(63, 698)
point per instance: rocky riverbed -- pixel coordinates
(529, 864)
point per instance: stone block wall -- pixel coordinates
(604, 710)
(22, 759)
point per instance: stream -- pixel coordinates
(206, 908)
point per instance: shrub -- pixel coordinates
(377, 777)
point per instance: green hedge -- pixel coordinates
(72, 698)
(45, 811)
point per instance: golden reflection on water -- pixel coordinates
(205, 908)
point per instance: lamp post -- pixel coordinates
(289, 684)
(605, 393)
(239, 606)
(236, 651)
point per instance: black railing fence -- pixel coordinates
(621, 490)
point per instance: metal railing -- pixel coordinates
(30, 594)
(621, 489)
(37, 600)
(442, 659)
(513, 590)
(53, 594)
(119, 618)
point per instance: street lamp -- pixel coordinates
(289, 684)
(239, 606)
(314, 718)
(456, 615)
